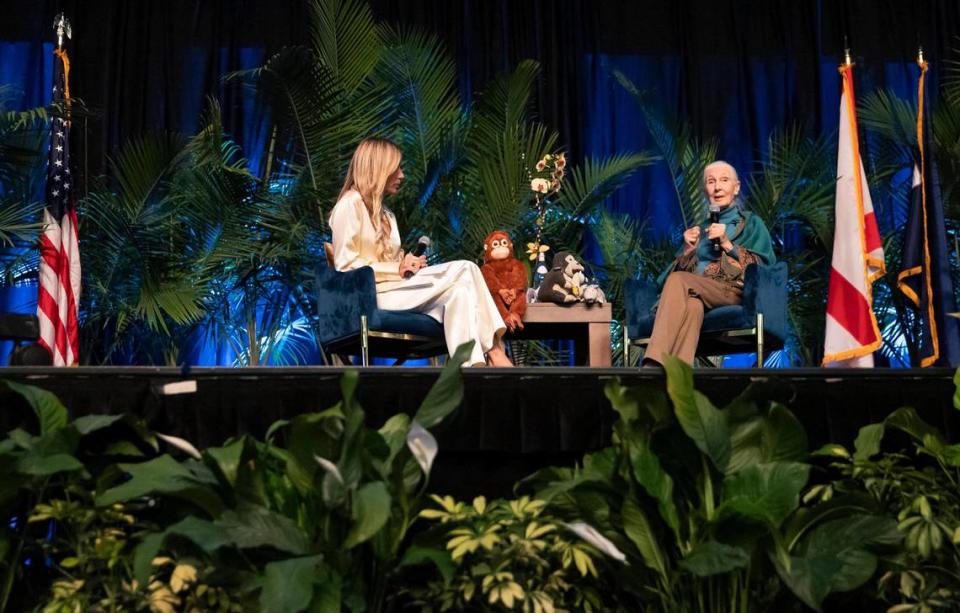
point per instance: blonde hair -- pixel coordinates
(374, 161)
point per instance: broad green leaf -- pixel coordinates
(164, 475)
(809, 579)
(371, 510)
(201, 532)
(352, 448)
(394, 432)
(868, 440)
(123, 448)
(253, 526)
(312, 434)
(144, 554)
(765, 492)
(440, 558)
(600, 465)
(644, 403)
(801, 523)
(328, 593)
(49, 410)
(654, 480)
(639, 531)
(207, 535)
(227, 459)
(39, 465)
(713, 558)
(288, 584)
(907, 420)
(956, 390)
(836, 556)
(447, 393)
(746, 441)
(626, 405)
(348, 389)
(698, 417)
(91, 423)
(784, 437)
(831, 450)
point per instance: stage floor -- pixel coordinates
(512, 421)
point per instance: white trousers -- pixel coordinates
(454, 294)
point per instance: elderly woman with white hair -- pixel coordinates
(708, 270)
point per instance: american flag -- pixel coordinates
(59, 251)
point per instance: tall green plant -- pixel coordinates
(704, 502)
(311, 518)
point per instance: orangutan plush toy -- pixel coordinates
(506, 278)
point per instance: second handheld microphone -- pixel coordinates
(715, 218)
(422, 245)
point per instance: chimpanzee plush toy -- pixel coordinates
(506, 278)
(566, 283)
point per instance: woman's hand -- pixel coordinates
(690, 238)
(412, 264)
(719, 231)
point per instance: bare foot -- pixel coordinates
(498, 357)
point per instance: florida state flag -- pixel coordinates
(852, 334)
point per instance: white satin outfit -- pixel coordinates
(453, 293)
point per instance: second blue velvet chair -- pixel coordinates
(758, 324)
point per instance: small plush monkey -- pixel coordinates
(506, 278)
(562, 284)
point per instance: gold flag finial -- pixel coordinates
(920, 60)
(847, 60)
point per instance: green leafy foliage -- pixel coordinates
(502, 556)
(706, 503)
(317, 523)
(919, 500)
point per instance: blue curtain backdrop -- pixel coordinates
(736, 70)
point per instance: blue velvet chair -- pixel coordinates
(758, 324)
(350, 322)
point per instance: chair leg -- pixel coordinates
(759, 340)
(364, 341)
(626, 345)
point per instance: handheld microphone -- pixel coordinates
(715, 218)
(422, 245)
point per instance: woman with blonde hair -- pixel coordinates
(365, 234)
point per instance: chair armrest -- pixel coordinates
(342, 297)
(765, 291)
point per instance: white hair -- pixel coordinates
(736, 177)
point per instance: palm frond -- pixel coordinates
(346, 40)
(890, 116)
(18, 221)
(585, 190)
(421, 78)
(684, 154)
(797, 184)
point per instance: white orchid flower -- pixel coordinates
(422, 445)
(182, 445)
(330, 467)
(590, 535)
